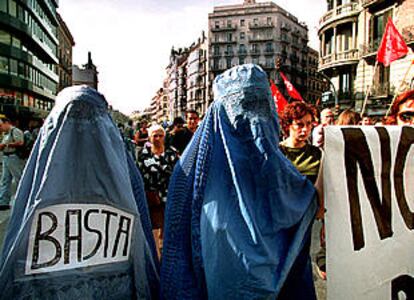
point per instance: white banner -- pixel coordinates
(369, 195)
(70, 236)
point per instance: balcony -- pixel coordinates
(216, 54)
(370, 49)
(371, 3)
(255, 52)
(224, 28)
(284, 39)
(269, 51)
(342, 11)
(261, 38)
(223, 42)
(338, 59)
(253, 25)
(242, 52)
(229, 53)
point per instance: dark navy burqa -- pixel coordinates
(239, 215)
(79, 159)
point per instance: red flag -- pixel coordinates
(280, 101)
(392, 45)
(291, 89)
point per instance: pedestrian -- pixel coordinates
(13, 165)
(367, 121)
(238, 215)
(326, 119)
(297, 119)
(80, 227)
(156, 163)
(141, 135)
(348, 117)
(181, 138)
(402, 110)
(177, 126)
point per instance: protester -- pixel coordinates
(239, 215)
(141, 136)
(181, 138)
(348, 117)
(177, 126)
(156, 163)
(402, 110)
(367, 121)
(12, 164)
(78, 227)
(327, 118)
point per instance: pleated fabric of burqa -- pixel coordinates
(80, 227)
(238, 215)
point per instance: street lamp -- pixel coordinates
(333, 88)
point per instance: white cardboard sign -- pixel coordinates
(369, 195)
(70, 236)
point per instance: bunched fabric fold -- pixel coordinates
(80, 227)
(238, 215)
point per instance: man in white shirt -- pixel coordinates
(12, 164)
(327, 118)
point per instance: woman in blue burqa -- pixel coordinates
(80, 227)
(239, 215)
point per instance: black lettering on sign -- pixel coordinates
(404, 284)
(97, 232)
(407, 140)
(107, 223)
(45, 236)
(76, 238)
(357, 153)
(126, 232)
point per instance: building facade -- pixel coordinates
(87, 74)
(350, 33)
(28, 58)
(176, 83)
(316, 84)
(258, 33)
(159, 105)
(66, 43)
(197, 80)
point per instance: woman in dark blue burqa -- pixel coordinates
(80, 227)
(239, 215)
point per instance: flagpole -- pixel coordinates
(368, 92)
(399, 88)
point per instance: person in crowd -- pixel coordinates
(177, 126)
(156, 163)
(402, 110)
(181, 138)
(238, 215)
(297, 119)
(79, 184)
(367, 121)
(141, 135)
(129, 130)
(348, 117)
(12, 164)
(327, 118)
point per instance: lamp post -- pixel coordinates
(333, 88)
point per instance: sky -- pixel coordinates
(130, 40)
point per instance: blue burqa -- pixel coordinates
(239, 215)
(80, 227)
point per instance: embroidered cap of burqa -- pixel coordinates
(238, 214)
(78, 229)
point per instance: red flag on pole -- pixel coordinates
(392, 45)
(291, 89)
(280, 101)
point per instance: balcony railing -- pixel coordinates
(216, 54)
(368, 3)
(228, 41)
(261, 38)
(269, 51)
(370, 49)
(224, 28)
(340, 11)
(253, 25)
(345, 56)
(255, 52)
(242, 52)
(229, 53)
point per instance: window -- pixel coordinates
(215, 63)
(229, 23)
(4, 65)
(216, 38)
(241, 22)
(217, 24)
(255, 48)
(345, 84)
(241, 60)
(13, 66)
(242, 35)
(242, 49)
(255, 21)
(3, 6)
(378, 26)
(16, 42)
(269, 20)
(229, 49)
(269, 47)
(229, 37)
(4, 37)
(12, 8)
(228, 62)
(216, 50)
(255, 60)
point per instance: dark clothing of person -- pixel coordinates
(156, 171)
(180, 140)
(307, 159)
(142, 135)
